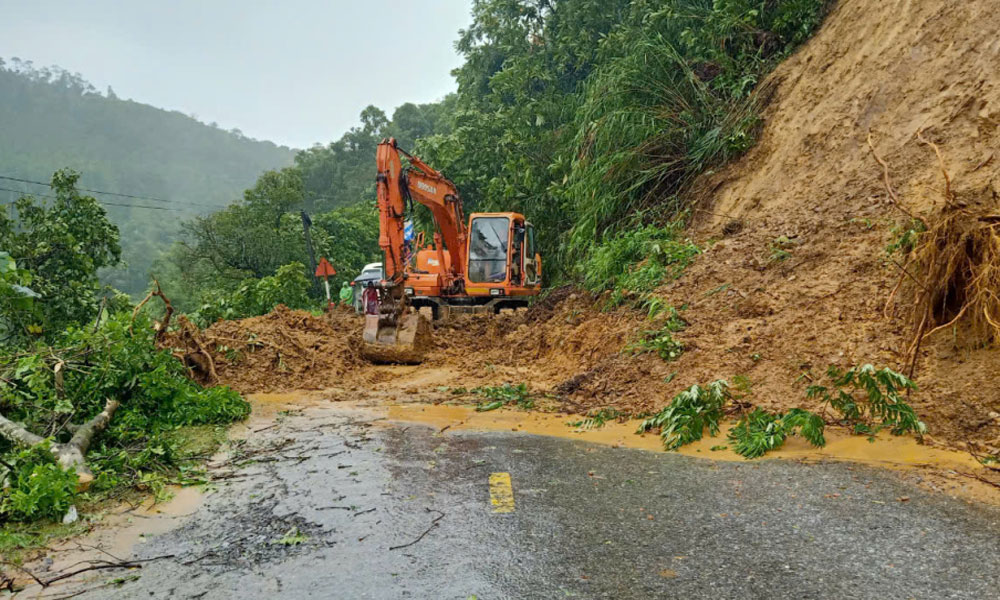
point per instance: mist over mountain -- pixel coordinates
(51, 118)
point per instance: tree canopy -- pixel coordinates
(60, 246)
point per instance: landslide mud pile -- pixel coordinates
(565, 345)
(282, 350)
(797, 276)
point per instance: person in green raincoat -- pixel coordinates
(346, 294)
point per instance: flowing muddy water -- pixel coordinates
(886, 450)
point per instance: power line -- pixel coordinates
(104, 202)
(134, 197)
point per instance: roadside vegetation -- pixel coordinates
(89, 406)
(866, 400)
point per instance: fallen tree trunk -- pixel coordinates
(70, 455)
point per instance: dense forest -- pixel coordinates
(591, 117)
(52, 119)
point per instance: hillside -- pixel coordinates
(796, 273)
(50, 119)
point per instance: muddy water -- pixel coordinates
(940, 470)
(115, 536)
(886, 450)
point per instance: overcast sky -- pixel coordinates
(295, 72)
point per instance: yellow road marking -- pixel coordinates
(501, 493)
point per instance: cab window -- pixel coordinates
(488, 249)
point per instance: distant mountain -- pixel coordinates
(50, 118)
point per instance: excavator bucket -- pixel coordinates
(403, 342)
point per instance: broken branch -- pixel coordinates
(161, 327)
(426, 531)
(70, 454)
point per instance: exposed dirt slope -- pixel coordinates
(796, 276)
(894, 68)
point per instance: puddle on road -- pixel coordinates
(133, 526)
(117, 535)
(939, 469)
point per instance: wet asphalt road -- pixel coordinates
(318, 516)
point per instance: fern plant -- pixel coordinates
(870, 399)
(760, 431)
(596, 419)
(500, 395)
(689, 413)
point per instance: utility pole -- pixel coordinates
(306, 224)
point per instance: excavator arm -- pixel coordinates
(395, 184)
(398, 334)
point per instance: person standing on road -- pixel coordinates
(346, 294)
(370, 299)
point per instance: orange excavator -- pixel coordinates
(485, 264)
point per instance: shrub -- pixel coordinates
(870, 399)
(288, 286)
(48, 387)
(684, 420)
(659, 341)
(502, 395)
(36, 487)
(635, 262)
(760, 431)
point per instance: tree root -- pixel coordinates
(885, 180)
(190, 332)
(956, 270)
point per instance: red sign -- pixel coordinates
(324, 268)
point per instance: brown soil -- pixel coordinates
(283, 350)
(893, 68)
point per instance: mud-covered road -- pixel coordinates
(335, 503)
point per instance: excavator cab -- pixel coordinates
(504, 268)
